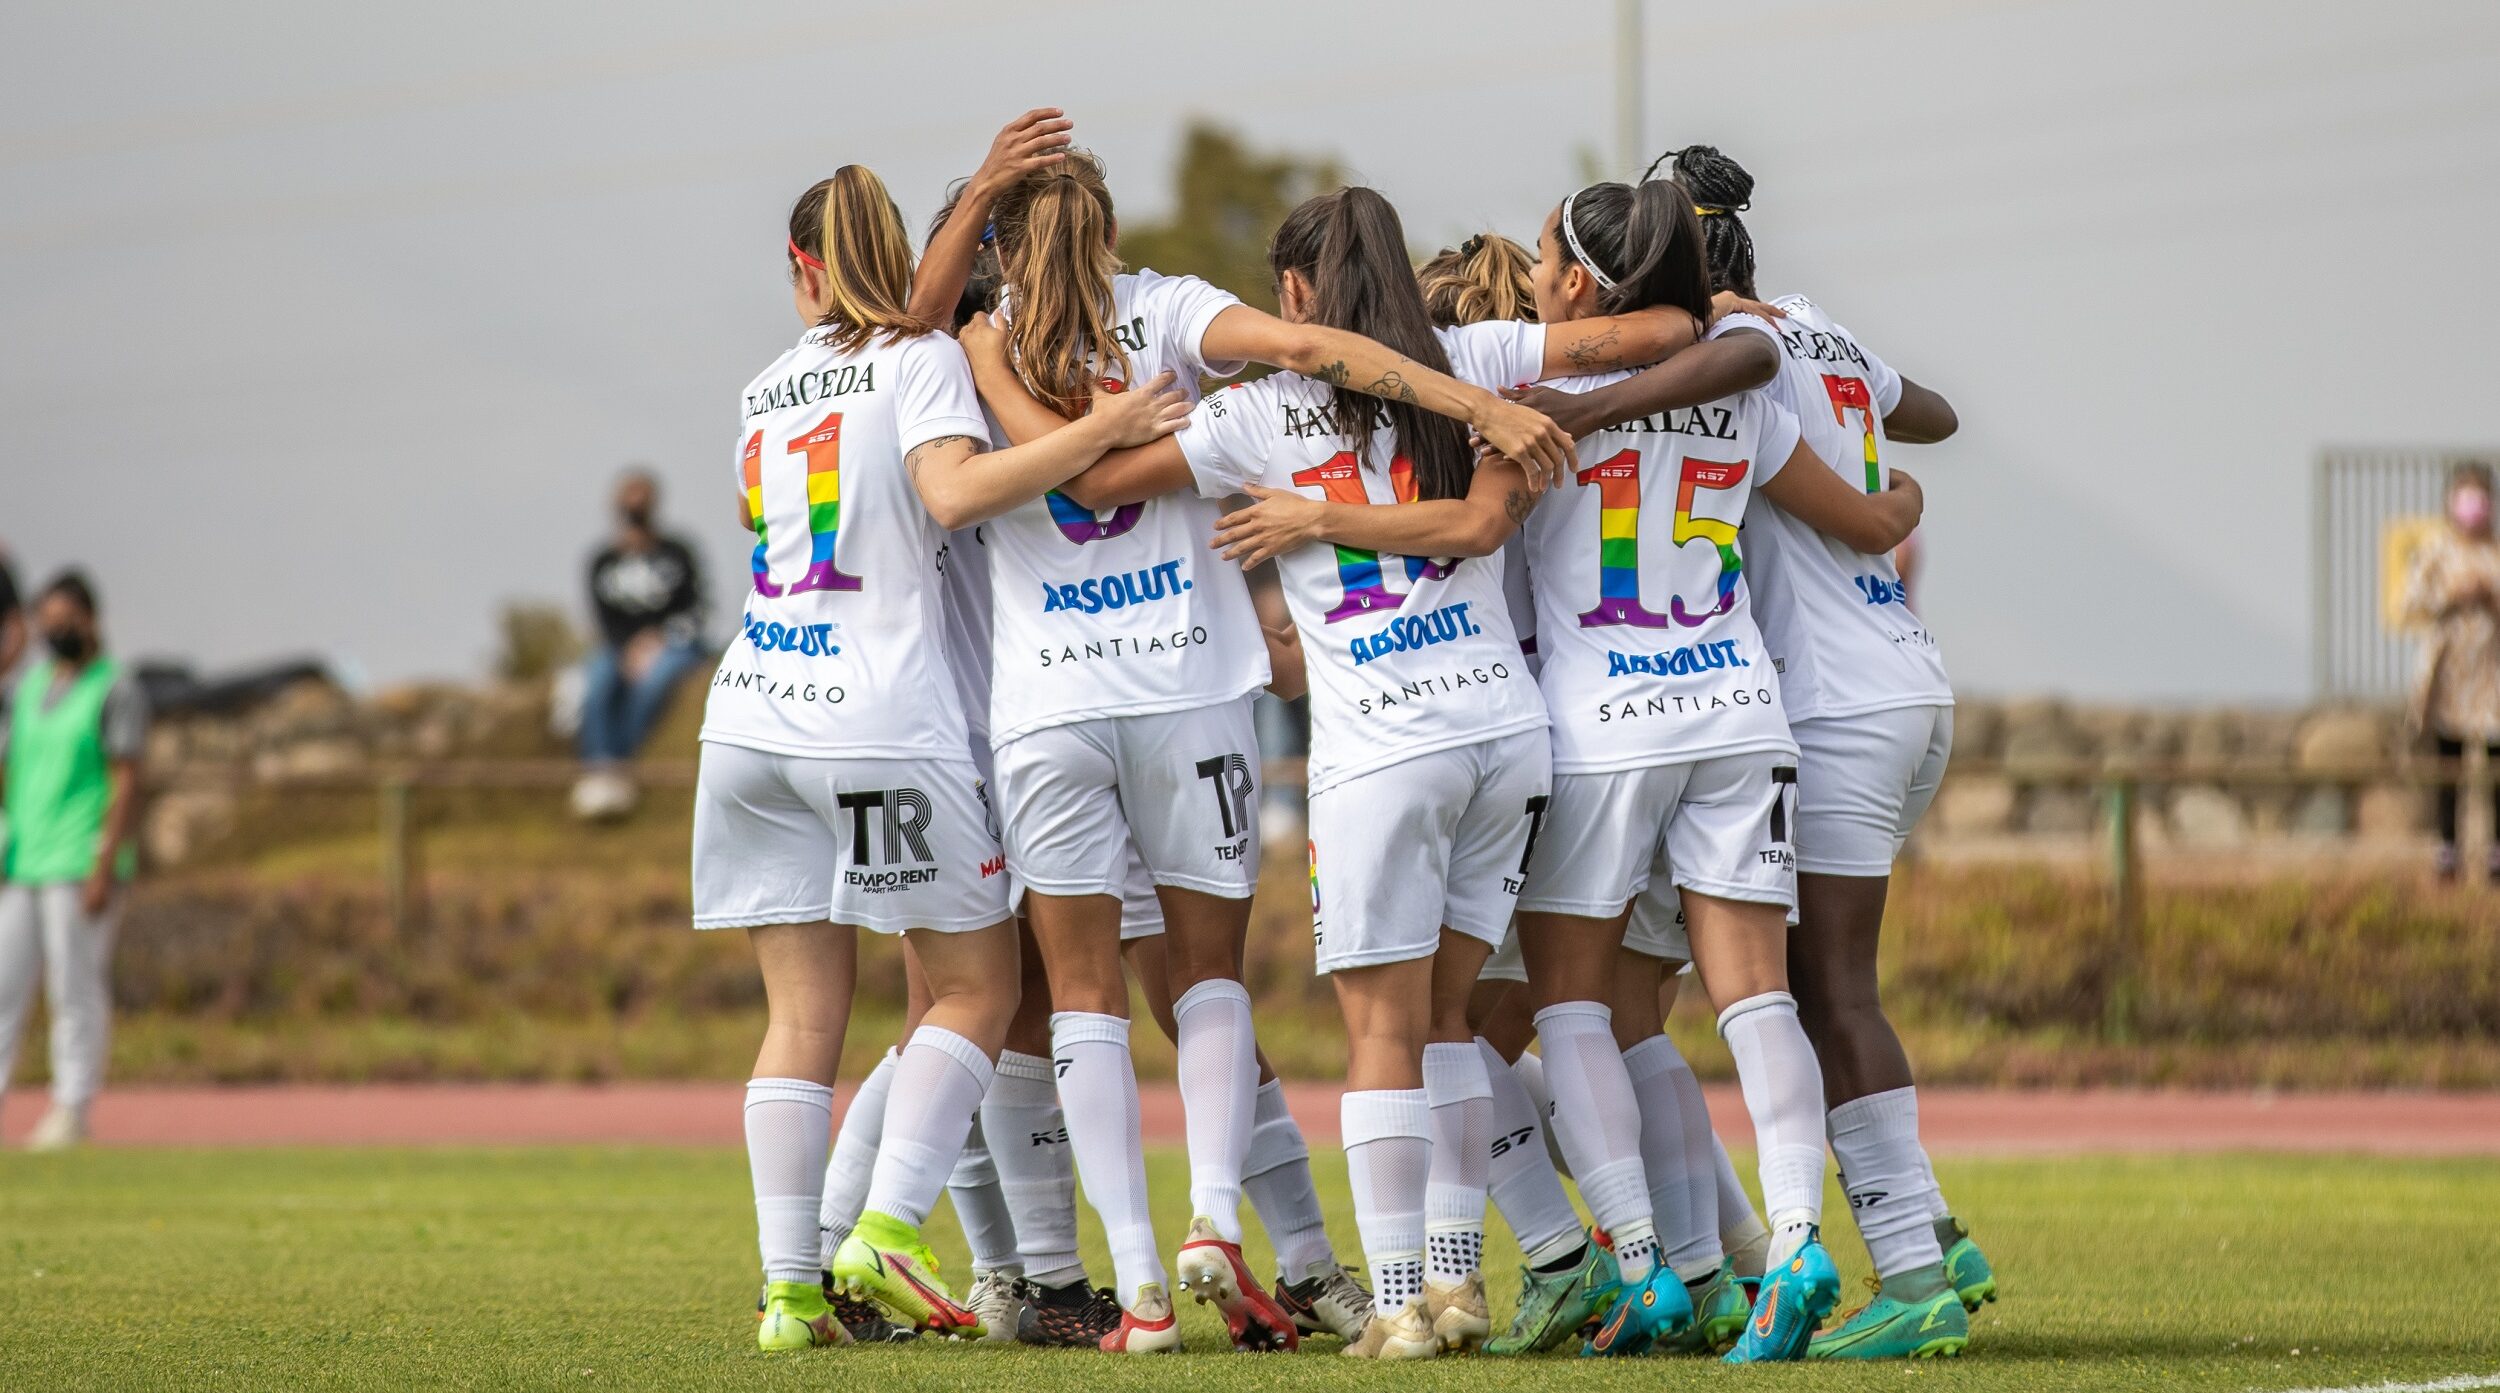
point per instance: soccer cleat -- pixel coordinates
(1210, 1269)
(1931, 1327)
(997, 1299)
(1147, 1326)
(1461, 1319)
(1071, 1316)
(1644, 1312)
(1795, 1297)
(1405, 1333)
(795, 1316)
(1553, 1306)
(886, 1260)
(1327, 1301)
(1964, 1265)
(1720, 1306)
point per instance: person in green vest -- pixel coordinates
(70, 741)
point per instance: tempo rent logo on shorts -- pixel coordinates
(905, 827)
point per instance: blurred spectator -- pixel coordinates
(2454, 592)
(648, 595)
(69, 778)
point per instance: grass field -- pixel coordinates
(605, 1268)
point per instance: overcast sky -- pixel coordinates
(323, 327)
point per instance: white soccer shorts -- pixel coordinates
(1181, 786)
(1863, 782)
(1720, 825)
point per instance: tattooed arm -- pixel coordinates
(1349, 360)
(1580, 346)
(1279, 520)
(961, 486)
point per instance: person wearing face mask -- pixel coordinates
(647, 591)
(75, 727)
(2453, 594)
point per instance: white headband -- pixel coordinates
(1573, 238)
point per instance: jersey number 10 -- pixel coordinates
(1340, 480)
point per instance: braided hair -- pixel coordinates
(1720, 189)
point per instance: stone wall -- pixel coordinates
(2222, 777)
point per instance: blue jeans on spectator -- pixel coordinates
(617, 713)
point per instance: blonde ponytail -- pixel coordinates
(858, 242)
(1485, 278)
(1054, 252)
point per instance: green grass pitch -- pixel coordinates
(634, 1268)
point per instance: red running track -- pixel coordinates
(1955, 1121)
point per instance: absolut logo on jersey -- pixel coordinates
(1426, 688)
(1094, 594)
(1127, 647)
(1816, 346)
(1879, 591)
(1443, 625)
(1610, 712)
(806, 640)
(799, 389)
(1676, 662)
(1715, 422)
(775, 689)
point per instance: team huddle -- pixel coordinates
(1586, 555)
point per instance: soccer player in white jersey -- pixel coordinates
(1426, 754)
(1872, 713)
(836, 788)
(1669, 736)
(1124, 654)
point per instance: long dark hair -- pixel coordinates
(1352, 248)
(1645, 240)
(1720, 190)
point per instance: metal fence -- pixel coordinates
(2366, 502)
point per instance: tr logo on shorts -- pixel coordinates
(906, 823)
(1233, 790)
(1783, 811)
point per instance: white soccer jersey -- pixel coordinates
(1129, 611)
(1837, 621)
(965, 569)
(835, 653)
(1407, 655)
(1648, 642)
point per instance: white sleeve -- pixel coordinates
(934, 396)
(1780, 434)
(1224, 443)
(1183, 307)
(1496, 353)
(1881, 380)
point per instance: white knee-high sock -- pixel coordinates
(789, 1126)
(1741, 1232)
(1675, 1152)
(1388, 1152)
(1098, 1089)
(938, 1083)
(1520, 1178)
(1784, 1092)
(1036, 1175)
(1884, 1172)
(1277, 1177)
(981, 1206)
(1461, 1097)
(1599, 1120)
(1530, 1068)
(1217, 1056)
(854, 1158)
(1936, 1207)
